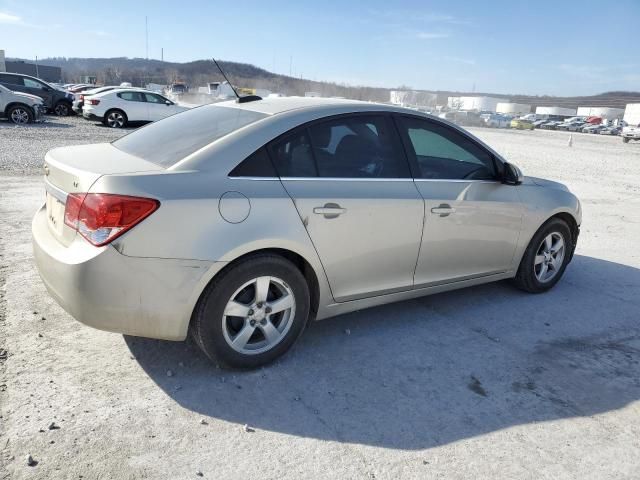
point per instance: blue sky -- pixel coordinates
(561, 47)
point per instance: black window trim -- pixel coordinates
(498, 164)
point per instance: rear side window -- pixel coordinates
(11, 79)
(168, 141)
(362, 146)
(131, 96)
(257, 164)
(443, 153)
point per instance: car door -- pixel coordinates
(157, 106)
(39, 89)
(351, 184)
(472, 219)
(134, 105)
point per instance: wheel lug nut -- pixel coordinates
(252, 323)
(250, 311)
(259, 305)
(267, 310)
(263, 321)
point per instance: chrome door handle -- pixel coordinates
(443, 210)
(330, 210)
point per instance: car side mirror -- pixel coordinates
(167, 103)
(512, 175)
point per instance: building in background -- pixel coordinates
(413, 98)
(477, 104)
(605, 113)
(513, 108)
(559, 111)
(44, 72)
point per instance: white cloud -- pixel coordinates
(432, 35)
(7, 18)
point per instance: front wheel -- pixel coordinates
(20, 115)
(546, 257)
(252, 313)
(115, 119)
(62, 109)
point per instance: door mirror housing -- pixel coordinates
(512, 175)
(167, 103)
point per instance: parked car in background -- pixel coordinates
(551, 125)
(589, 128)
(520, 124)
(55, 100)
(630, 133)
(117, 108)
(576, 126)
(539, 123)
(20, 108)
(78, 101)
(611, 131)
(165, 232)
(497, 121)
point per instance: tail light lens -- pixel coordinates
(93, 102)
(103, 217)
(82, 98)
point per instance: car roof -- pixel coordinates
(274, 105)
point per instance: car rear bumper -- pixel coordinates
(100, 287)
(91, 116)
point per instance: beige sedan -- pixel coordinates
(242, 221)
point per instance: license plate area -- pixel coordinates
(55, 214)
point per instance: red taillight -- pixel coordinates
(93, 101)
(82, 98)
(102, 217)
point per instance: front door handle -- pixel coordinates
(330, 210)
(443, 210)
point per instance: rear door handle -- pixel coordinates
(443, 210)
(330, 210)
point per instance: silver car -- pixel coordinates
(240, 222)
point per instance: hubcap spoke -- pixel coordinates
(539, 259)
(262, 289)
(243, 336)
(283, 303)
(236, 309)
(543, 272)
(547, 242)
(271, 333)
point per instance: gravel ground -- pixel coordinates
(22, 148)
(487, 382)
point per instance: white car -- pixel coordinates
(117, 108)
(20, 108)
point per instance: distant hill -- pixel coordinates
(140, 71)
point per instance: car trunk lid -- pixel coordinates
(75, 169)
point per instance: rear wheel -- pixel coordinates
(546, 257)
(252, 313)
(625, 139)
(20, 115)
(115, 119)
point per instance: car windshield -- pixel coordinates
(168, 141)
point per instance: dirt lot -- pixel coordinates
(487, 382)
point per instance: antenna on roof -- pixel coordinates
(245, 99)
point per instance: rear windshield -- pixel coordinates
(168, 141)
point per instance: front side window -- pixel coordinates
(32, 84)
(131, 96)
(168, 141)
(153, 98)
(354, 146)
(443, 153)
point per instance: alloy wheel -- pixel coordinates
(115, 120)
(258, 315)
(549, 257)
(61, 110)
(20, 116)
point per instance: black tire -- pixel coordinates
(526, 278)
(62, 108)
(625, 140)
(109, 122)
(20, 114)
(207, 323)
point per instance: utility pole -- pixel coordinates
(37, 72)
(290, 65)
(146, 35)
(162, 54)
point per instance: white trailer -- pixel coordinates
(605, 113)
(559, 111)
(477, 104)
(513, 108)
(632, 114)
